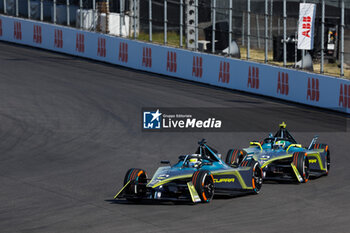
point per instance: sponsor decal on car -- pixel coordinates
(224, 180)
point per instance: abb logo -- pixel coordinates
(101, 47)
(306, 26)
(171, 64)
(344, 96)
(253, 77)
(17, 32)
(197, 68)
(147, 57)
(37, 37)
(224, 73)
(123, 52)
(313, 91)
(58, 43)
(0, 27)
(282, 84)
(79, 45)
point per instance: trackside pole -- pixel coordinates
(68, 15)
(41, 10)
(150, 19)
(196, 25)
(213, 26)
(134, 18)
(248, 30)
(16, 8)
(121, 17)
(81, 13)
(54, 11)
(342, 25)
(28, 9)
(266, 30)
(230, 29)
(284, 32)
(322, 38)
(5, 10)
(94, 14)
(165, 21)
(181, 22)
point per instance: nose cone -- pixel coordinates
(166, 174)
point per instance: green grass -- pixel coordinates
(158, 38)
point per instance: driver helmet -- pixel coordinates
(193, 162)
(280, 144)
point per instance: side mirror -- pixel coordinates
(165, 162)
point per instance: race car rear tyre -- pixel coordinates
(301, 162)
(257, 179)
(234, 157)
(203, 182)
(328, 155)
(138, 181)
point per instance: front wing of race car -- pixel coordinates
(226, 182)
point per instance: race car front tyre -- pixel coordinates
(301, 162)
(327, 155)
(234, 157)
(138, 180)
(257, 179)
(203, 182)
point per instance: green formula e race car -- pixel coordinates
(194, 178)
(282, 158)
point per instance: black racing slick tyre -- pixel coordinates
(234, 157)
(327, 155)
(301, 162)
(138, 180)
(257, 178)
(203, 182)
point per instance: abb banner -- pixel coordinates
(262, 79)
(307, 12)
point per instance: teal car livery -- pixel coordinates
(282, 158)
(195, 178)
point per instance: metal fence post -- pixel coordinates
(248, 30)
(68, 13)
(196, 26)
(302, 51)
(121, 17)
(322, 37)
(94, 14)
(16, 8)
(181, 23)
(230, 29)
(266, 29)
(81, 13)
(165, 21)
(41, 10)
(150, 19)
(271, 20)
(243, 28)
(134, 18)
(284, 32)
(28, 9)
(213, 26)
(258, 30)
(54, 11)
(342, 25)
(5, 10)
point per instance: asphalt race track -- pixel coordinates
(70, 129)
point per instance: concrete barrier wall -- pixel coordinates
(291, 85)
